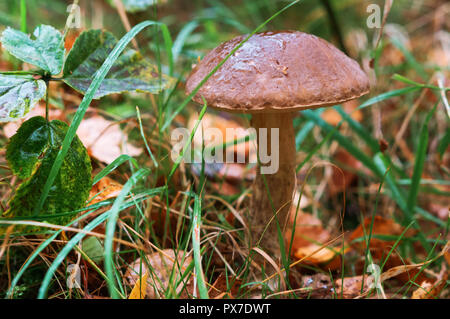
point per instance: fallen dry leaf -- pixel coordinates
(104, 189)
(380, 248)
(104, 139)
(235, 173)
(163, 265)
(447, 255)
(396, 271)
(381, 226)
(225, 287)
(431, 290)
(304, 202)
(322, 256)
(412, 274)
(140, 288)
(308, 238)
(308, 229)
(350, 287)
(235, 132)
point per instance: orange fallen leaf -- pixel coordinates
(430, 290)
(391, 56)
(140, 288)
(351, 286)
(104, 189)
(308, 229)
(308, 239)
(324, 255)
(381, 226)
(380, 248)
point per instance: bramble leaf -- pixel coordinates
(18, 95)
(130, 72)
(45, 51)
(73, 182)
(26, 147)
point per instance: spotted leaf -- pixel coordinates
(18, 95)
(72, 184)
(45, 50)
(130, 72)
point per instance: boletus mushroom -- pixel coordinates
(272, 76)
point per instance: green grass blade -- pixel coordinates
(182, 37)
(169, 46)
(196, 222)
(360, 130)
(444, 143)
(410, 58)
(396, 194)
(343, 141)
(404, 79)
(36, 253)
(141, 130)
(112, 166)
(388, 95)
(64, 252)
(419, 163)
(113, 214)
(23, 16)
(188, 143)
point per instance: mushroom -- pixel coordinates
(272, 76)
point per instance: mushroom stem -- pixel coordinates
(280, 184)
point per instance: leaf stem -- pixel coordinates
(46, 99)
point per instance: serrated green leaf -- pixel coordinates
(130, 72)
(18, 95)
(27, 146)
(45, 51)
(73, 182)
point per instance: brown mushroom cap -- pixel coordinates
(278, 71)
